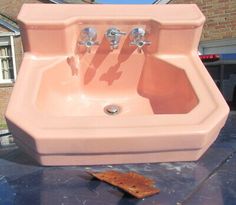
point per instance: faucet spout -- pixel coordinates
(114, 45)
(113, 35)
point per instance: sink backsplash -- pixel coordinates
(62, 39)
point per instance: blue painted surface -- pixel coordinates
(221, 187)
(228, 56)
(211, 180)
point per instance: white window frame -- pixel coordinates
(218, 46)
(162, 1)
(8, 40)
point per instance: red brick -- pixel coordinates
(220, 15)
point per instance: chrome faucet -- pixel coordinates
(137, 38)
(88, 36)
(114, 35)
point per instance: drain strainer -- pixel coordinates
(112, 109)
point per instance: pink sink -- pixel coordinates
(72, 107)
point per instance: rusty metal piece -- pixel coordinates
(131, 182)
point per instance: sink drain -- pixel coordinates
(112, 109)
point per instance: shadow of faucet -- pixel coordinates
(102, 51)
(72, 62)
(113, 74)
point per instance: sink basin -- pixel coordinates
(73, 107)
(154, 86)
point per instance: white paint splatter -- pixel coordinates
(2, 177)
(178, 166)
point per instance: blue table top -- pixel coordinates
(210, 180)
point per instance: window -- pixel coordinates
(7, 60)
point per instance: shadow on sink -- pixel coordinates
(167, 88)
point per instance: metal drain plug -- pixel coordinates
(112, 109)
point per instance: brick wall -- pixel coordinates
(220, 17)
(4, 98)
(12, 7)
(18, 52)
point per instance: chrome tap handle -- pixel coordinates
(88, 36)
(140, 44)
(88, 44)
(137, 38)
